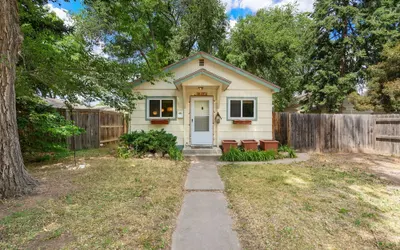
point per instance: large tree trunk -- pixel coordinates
(14, 179)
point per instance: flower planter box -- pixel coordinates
(228, 144)
(243, 122)
(249, 144)
(268, 145)
(159, 121)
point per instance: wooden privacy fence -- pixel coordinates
(100, 127)
(338, 132)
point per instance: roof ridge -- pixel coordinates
(223, 63)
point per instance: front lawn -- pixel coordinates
(111, 203)
(312, 205)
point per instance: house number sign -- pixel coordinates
(201, 93)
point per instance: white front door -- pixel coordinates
(201, 120)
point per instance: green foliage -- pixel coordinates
(41, 128)
(335, 57)
(235, 154)
(154, 33)
(125, 152)
(197, 31)
(138, 143)
(383, 92)
(287, 149)
(271, 44)
(348, 37)
(57, 61)
(175, 154)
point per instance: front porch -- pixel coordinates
(201, 98)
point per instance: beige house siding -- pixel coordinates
(240, 86)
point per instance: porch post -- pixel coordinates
(185, 121)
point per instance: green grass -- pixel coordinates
(312, 205)
(112, 203)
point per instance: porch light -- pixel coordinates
(169, 109)
(200, 88)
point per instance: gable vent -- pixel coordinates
(201, 62)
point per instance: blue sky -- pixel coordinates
(72, 6)
(235, 8)
(75, 6)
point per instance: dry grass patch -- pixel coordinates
(312, 205)
(111, 203)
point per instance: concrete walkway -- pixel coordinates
(204, 222)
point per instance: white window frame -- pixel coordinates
(229, 99)
(148, 99)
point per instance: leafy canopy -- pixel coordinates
(271, 44)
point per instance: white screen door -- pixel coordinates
(201, 118)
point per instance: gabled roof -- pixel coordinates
(222, 63)
(202, 72)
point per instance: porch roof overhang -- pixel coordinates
(224, 82)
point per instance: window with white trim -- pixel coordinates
(160, 108)
(242, 108)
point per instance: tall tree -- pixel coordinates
(152, 34)
(336, 60)
(383, 93)
(271, 44)
(57, 61)
(132, 32)
(14, 179)
(378, 27)
(380, 33)
(202, 26)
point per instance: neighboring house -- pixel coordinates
(206, 101)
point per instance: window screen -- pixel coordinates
(202, 115)
(248, 108)
(236, 109)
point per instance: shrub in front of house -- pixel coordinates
(140, 143)
(287, 151)
(238, 154)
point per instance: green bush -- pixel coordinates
(138, 143)
(235, 154)
(175, 154)
(289, 150)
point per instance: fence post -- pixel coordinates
(99, 126)
(289, 128)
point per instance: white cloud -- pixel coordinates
(61, 13)
(254, 5)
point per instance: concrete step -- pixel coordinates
(202, 158)
(191, 151)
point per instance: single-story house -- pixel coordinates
(207, 100)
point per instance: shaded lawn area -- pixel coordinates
(111, 203)
(319, 204)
